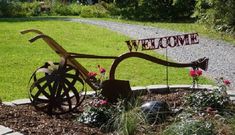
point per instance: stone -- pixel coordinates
(14, 133)
(180, 86)
(4, 130)
(155, 111)
(8, 103)
(157, 89)
(21, 101)
(232, 98)
(89, 93)
(139, 90)
(231, 92)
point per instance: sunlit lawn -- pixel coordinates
(19, 58)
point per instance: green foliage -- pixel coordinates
(111, 8)
(94, 11)
(61, 9)
(183, 9)
(18, 9)
(127, 122)
(120, 117)
(98, 113)
(200, 100)
(157, 10)
(218, 14)
(190, 127)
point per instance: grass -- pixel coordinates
(19, 58)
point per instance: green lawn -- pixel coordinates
(19, 58)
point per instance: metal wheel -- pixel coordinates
(54, 88)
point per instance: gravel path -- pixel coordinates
(220, 53)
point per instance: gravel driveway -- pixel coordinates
(221, 54)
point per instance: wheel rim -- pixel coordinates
(54, 88)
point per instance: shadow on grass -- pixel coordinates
(26, 19)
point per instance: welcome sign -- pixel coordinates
(163, 42)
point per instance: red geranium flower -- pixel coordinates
(92, 74)
(102, 70)
(199, 72)
(193, 73)
(227, 82)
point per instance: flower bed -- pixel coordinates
(187, 107)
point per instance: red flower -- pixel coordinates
(103, 102)
(92, 74)
(199, 72)
(193, 73)
(227, 82)
(102, 70)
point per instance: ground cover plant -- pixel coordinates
(19, 58)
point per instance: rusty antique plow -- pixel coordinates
(58, 88)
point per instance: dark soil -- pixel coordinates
(25, 119)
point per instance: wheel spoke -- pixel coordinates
(57, 88)
(66, 91)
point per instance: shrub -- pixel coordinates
(190, 127)
(62, 9)
(183, 9)
(218, 14)
(157, 10)
(18, 9)
(111, 8)
(217, 99)
(30, 9)
(98, 113)
(94, 11)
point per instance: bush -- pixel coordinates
(200, 100)
(183, 9)
(190, 127)
(218, 14)
(61, 9)
(94, 11)
(18, 9)
(98, 113)
(111, 8)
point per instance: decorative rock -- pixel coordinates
(139, 90)
(8, 103)
(89, 93)
(158, 89)
(21, 101)
(231, 92)
(14, 133)
(155, 111)
(232, 98)
(4, 130)
(180, 86)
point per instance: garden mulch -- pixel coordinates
(26, 120)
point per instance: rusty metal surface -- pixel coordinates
(58, 82)
(200, 63)
(114, 89)
(54, 88)
(163, 42)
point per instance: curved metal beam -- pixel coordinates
(200, 63)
